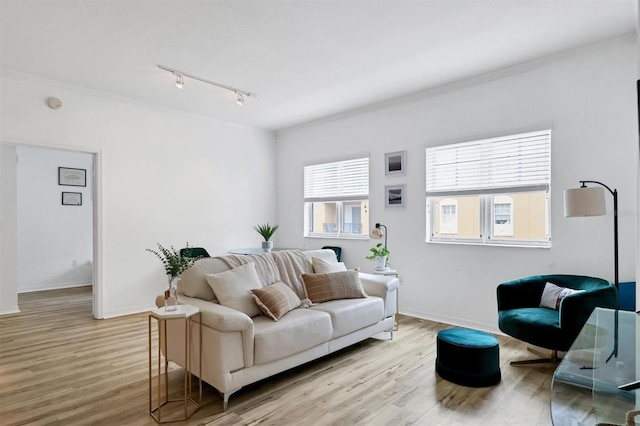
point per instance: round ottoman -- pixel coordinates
(468, 357)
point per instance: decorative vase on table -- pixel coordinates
(171, 295)
(267, 246)
(381, 263)
(174, 265)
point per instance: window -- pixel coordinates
(490, 191)
(336, 199)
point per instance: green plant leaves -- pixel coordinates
(266, 230)
(173, 263)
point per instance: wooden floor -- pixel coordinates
(59, 366)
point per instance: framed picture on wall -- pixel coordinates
(394, 195)
(71, 198)
(72, 177)
(395, 163)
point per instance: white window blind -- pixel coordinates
(337, 181)
(514, 163)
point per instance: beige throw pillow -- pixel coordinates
(335, 285)
(321, 266)
(232, 288)
(552, 295)
(275, 300)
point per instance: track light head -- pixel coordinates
(180, 76)
(179, 81)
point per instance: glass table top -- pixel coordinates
(585, 388)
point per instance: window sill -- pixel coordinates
(338, 237)
(491, 244)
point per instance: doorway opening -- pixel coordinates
(55, 221)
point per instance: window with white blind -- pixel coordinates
(336, 199)
(499, 186)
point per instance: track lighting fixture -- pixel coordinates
(179, 81)
(180, 75)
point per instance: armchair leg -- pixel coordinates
(552, 359)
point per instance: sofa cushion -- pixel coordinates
(232, 288)
(299, 330)
(335, 285)
(275, 300)
(348, 315)
(321, 266)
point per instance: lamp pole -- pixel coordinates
(613, 192)
(616, 281)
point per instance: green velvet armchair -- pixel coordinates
(520, 314)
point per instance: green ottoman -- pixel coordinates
(468, 357)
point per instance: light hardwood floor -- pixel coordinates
(59, 366)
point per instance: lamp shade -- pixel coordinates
(376, 233)
(585, 201)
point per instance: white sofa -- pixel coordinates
(238, 350)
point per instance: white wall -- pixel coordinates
(638, 206)
(59, 236)
(8, 229)
(588, 96)
(161, 176)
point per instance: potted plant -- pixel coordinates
(174, 265)
(267, 232)
(380, 255)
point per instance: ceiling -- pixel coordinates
(305, 60)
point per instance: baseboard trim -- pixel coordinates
(59, 286)
(460, 322)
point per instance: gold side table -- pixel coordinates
(392, 273)
(187, 314)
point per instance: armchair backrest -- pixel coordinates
(526, 292)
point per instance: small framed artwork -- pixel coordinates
(394, 195)
(395, 163)
(72, 177)
(71, 198)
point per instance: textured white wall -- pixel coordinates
(638, 157)
(8, 229)
(587, 96)
(162, 176)
(57, 236)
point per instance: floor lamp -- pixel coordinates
(589, 201)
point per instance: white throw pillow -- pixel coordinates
(321, 266)
(232, 288)
(552, 295)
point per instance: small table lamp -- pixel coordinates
(378, 233)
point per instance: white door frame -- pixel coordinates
(98, 288)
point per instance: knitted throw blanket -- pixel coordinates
(286, 266)
(265, 265)
(291, 265)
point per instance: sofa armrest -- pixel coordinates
(382, 286)
(224, 319)
(575, 309)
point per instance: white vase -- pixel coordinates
(381, 263)
(171, 295)
(267, 246)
